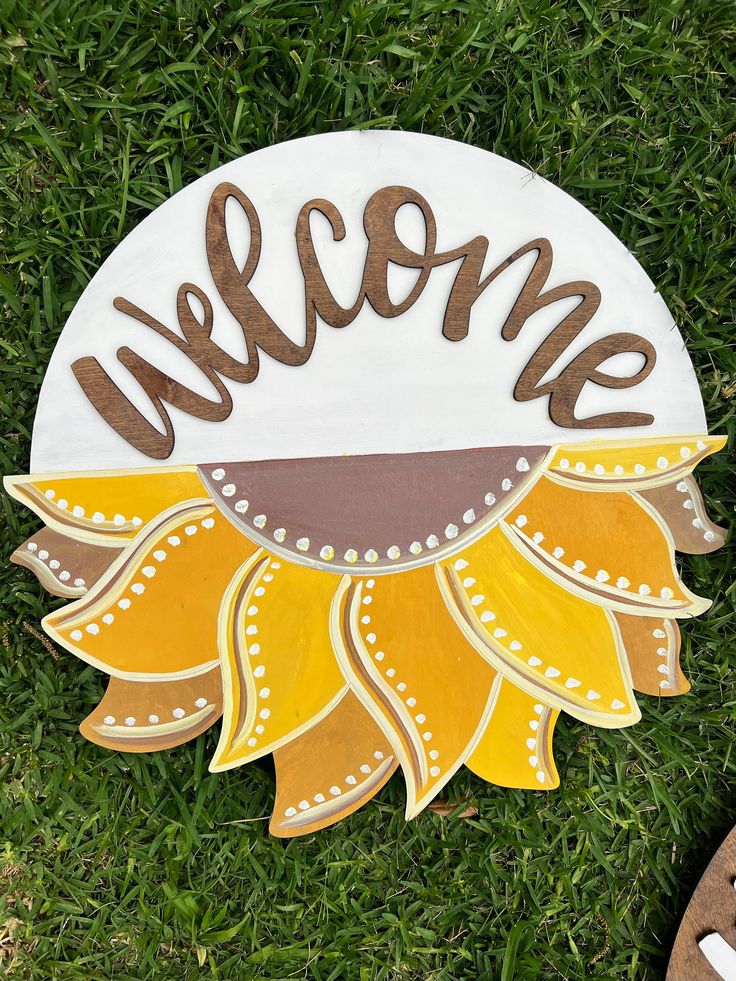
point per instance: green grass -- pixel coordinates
(127, 867)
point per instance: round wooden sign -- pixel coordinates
(379, 447)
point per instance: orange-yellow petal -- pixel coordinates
(154, 612)
(653, 651)
(609, 547)
(556, 646)
(516, 747)
(280, 675)
(631, 464)
(411, 668)
(143, 716)
(105, 508)
(330, 771)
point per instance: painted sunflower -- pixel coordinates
(355, 614)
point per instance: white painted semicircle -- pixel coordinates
(378, 385)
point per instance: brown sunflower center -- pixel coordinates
(378, 512)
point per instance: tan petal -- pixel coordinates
(682, 507)
(653, 651)
(63, 566)
(330, 770)
(143, 716)
(411, 668)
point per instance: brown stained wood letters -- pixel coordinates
(261, 333)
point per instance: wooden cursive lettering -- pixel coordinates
(262, 334)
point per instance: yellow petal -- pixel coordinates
(153, 614)
(409, 665)
(330, 771)
(631, 464)
(105, 508)
(280, 675)
(143, 716)
(653, 651)
(516, 748)
(556, 646)
(609, 547)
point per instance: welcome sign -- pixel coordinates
(378, 447)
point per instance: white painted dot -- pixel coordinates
(460, 564)
(665, 684)
(208, 523)
(319, 798)
(451, 531)
(531, 743)
(469, 516)
(602, 575)
(251, 630)
(190, 530)
(537, 537)
(379, 655)
(697, 523)
(580, 467)
(264, 693)
(148, 571)
(709, 536)
(92, 628)
(259, 671)
(98, 517)
(540, 776)
(351, 555)
(76, 635)
(252, 741)
(378, 755)
(279, 535)
(174, 540)
(411, 702)
(304, 805)
(200, 702)
(533, 760)
(499, 632)
(522, 464)
(153, 719)
(617, 704)
(663, 669)
(159, 555)
(432, 541)
(662, 651)
(534, 661)
(241, 506)
(688, 505)
(31, 546)
(701, 445)
(486, 616)
(572, 683)
(370, 583)
(520, 520)
(558, 552)
(118, 520)
(43, 555)
(124, 603)
(371, 638)
(260, 521)
(416, 548)
(252, 611)
(599, 469)
(130, 721)
(426, 736)
(265, 713)
(639, 468)
(644, 590)
(592, 695)
(108, 618)
(534, 725)
(666, 593)
(490, 499)
(137, 521)
(477, 599)
(79, 582)
(259, 591)
(394, 552)
(421, 718)
(618, 469)
(65, 576)
(109, 720)
(62, 504)
(178, 713)
(622, 582)
(51, 494)
(578, 565)
(662, 462)
(551, 673)
(564, 463)
(515, 645)
(658, 633)
(365, 619)
(78, 511)
(468, 582)
(538, 709)
(371, 555)
(401, 686)
(290, 812)
(391, 673)
(351, 780)
(303, 545)
(367, 600)
(364, 768)
(218, 473)
(229, 490)
(682, 487)
(260, 729)
(506, 484)
(254, 650)
(335, 791)
(434, 771)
